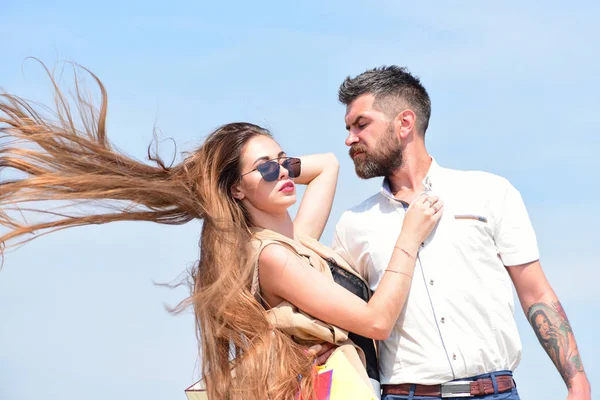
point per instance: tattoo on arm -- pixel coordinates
(552, 328)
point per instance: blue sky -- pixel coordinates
(514, 89)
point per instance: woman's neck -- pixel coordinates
(280, 223)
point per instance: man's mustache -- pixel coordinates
(357, 148)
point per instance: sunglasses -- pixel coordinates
(270, 170)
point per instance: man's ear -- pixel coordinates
(237, 192)
(404, 123)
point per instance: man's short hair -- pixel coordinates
(394, 88)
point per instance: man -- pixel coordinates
(457, 336)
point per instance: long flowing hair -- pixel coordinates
(64, 155)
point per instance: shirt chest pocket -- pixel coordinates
(472, 232)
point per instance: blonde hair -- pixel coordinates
(57, 160)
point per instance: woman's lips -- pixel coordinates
(287, 187)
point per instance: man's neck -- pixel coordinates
(407, 182)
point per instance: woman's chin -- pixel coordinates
(289, 200)
(286, 201)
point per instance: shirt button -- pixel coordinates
(453, 356)
(442, 320)
(431, 282)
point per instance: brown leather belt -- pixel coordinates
(465, 388)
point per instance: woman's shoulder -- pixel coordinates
(274, 256)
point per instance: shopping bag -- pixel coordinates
(196, 392)
(340, 378)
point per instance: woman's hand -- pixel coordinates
(421, 217)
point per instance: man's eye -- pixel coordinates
(361, 126)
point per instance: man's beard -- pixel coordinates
(383, 160)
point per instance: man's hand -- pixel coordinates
(321, 352)
(579, 388)
(579, 395)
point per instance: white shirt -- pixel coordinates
(458, 320)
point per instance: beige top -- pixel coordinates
(285, 316)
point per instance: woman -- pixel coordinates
(256, 264)
(555, 339)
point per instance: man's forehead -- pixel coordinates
(359, 106)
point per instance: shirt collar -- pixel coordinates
(432, 175)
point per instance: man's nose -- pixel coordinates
(351, 139)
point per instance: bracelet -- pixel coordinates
(398, 272)
(406, 252)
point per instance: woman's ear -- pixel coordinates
(237, 192)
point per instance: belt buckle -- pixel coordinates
(456, 389)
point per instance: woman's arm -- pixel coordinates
(284, 276)
(320, 174)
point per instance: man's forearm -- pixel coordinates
(551, 325)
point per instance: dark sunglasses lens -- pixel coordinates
(293, 166)
(269, 170)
